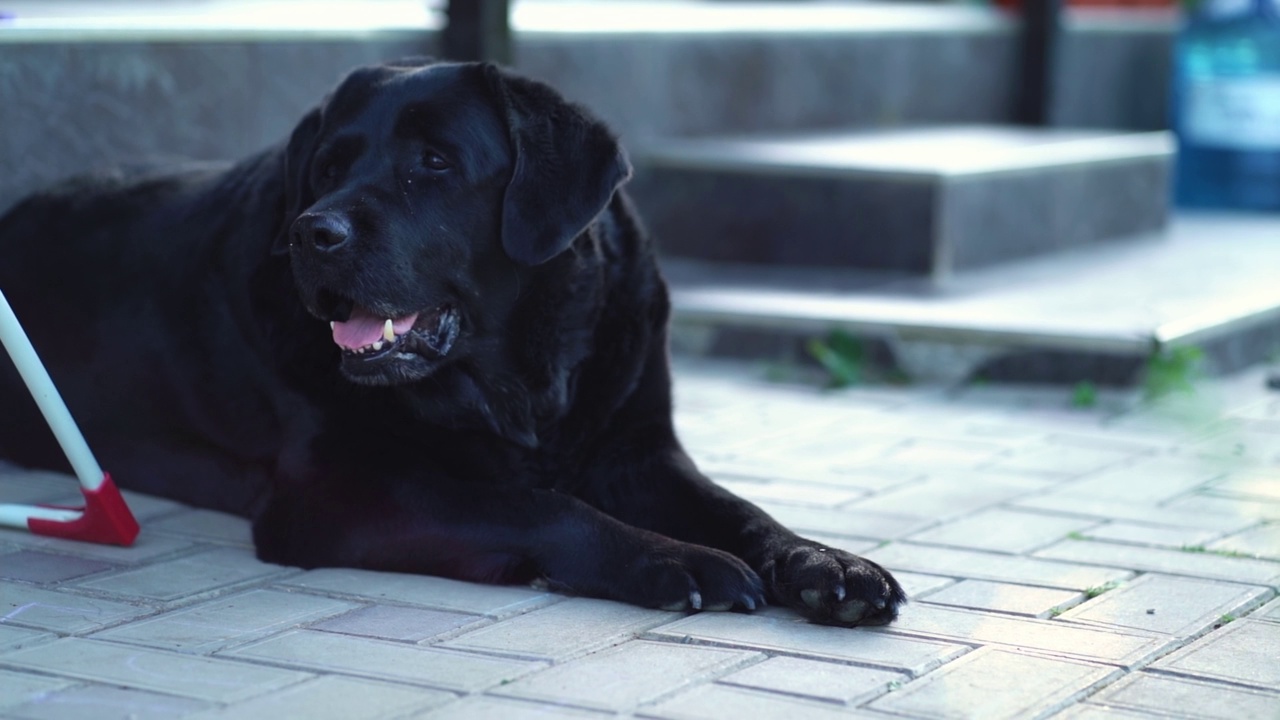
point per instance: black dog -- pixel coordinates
(428, 335)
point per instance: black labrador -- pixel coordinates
(427, 335)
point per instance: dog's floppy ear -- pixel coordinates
(567, 167)
(295, 169)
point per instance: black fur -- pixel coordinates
(526, 435)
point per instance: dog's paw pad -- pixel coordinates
(833, 587)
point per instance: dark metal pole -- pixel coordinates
(478, 30)
(1038, 53)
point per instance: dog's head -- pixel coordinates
(420, 194)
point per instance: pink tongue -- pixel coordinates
(364, 328)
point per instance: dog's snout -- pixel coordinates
(323, 231)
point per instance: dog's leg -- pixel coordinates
(659, 488)
(498, 534)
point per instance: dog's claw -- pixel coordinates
(748, 602)
(695, 600)
(840, 593)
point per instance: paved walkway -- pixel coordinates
(1111, 562)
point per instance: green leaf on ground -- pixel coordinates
(1084, 395)
(1173, 370)
(1095, 591)
(842, 355)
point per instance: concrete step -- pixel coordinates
(218, 80)
(1098, 314)
(930, 201)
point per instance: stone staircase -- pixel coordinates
(964, 251)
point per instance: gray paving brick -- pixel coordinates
(849, 522)
(919, 584)
(1259, 484)
(785, 633)
(832, 682)
(1270, 611)
(392, 622)
(792, 493)
(12, 638)
(32, 486)
(17, 688)
(946, 497)
(1119, 647)
(339, 698)
(946, 454)
(1177, 606)
(380, 659)
(41, 567)
(1005, 597)
(147, 547)
(99, 702)
(715, 702)
(563, 630)
(424, 591)
(1004, 531)
(206, 525)
(993, 683)
(214, 625)
(1262, 541)
(1150, 480)
(187, 575)
(1106, 509)
(484, 706)
(1064, 459)
(989, 566)
(1089, 711)
(1241, 509)
(1151, 535)
(1153, 694)
(146, 669)
(1173, 562)
(1243, 652)
(62, 612)
(1241, 442)
(625, 676)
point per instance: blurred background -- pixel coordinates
(1069, 191)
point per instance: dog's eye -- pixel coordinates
(433, 160)
(326, 173)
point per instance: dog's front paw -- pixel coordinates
(831, 586)
(685, 577)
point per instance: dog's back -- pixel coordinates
(115, 279)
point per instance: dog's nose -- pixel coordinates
(325, 231)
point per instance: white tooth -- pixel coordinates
(377, 346)
(389, 331)
(331, 324)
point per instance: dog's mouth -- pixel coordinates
(380, 350)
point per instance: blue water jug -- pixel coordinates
(1226, 105)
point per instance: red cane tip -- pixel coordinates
(106, 519)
